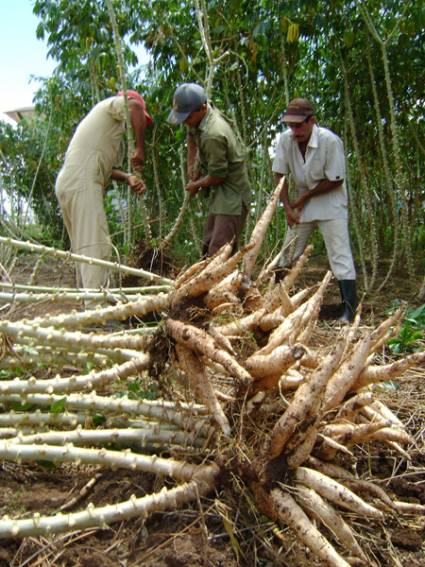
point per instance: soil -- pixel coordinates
(223, 530)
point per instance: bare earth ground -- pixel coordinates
(224, 530)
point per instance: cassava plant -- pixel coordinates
(274, 407)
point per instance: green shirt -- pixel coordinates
(223, 155)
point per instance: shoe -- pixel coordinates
(348, 292)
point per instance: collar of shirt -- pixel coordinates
(204, 122)
(314, 138)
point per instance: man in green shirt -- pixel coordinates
(222, 159)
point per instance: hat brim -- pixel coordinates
(176, 118)
(295, 118)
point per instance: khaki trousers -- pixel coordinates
(220, 229)
(337, 242)
(85, 221)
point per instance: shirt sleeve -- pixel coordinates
(335, 160)
(215, 151)
(280, 162)
(116, 108)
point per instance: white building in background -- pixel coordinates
(27, 112)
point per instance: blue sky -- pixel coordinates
(21, 54)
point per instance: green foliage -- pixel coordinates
(412, 333)
(269, 51)
(58, 406)
(98, 419)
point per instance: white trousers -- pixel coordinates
(86, 223)
(337, 242)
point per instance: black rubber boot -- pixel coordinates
(349, 300)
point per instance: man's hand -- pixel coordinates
(300, 202)
(138, 158)
(192, 187)
(291, 216)
(136, 184)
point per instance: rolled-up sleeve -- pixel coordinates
(335, 160)
(215, 149)
(280, 162)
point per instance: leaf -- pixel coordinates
(293, 33)
(98, 419)
(48, 465)
(58, 406)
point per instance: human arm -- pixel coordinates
(324, 186)
(192, 157)
(291, 215)
(206, 181)
(135, 183)
(138, 123)
(214, 149)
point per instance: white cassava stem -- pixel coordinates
(60, 296)
(119, 291)
(38, 418)
(179, 470)
(46, 250)
(51, 336)
(102, 516)
(34, 355)
(75, 383)
(117, 312)
(183, 415)
(140, 437)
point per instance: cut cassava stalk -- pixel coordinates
(39, 419)
(140, 437)
(11, 297)
(195, 371)
(336, 492)
(120, 291)
(185, 416)
(260, 229)
(179, 470)
(292, 515)
(45, 250)
(76, 383)
(51, 336)
(134, 507)
(119, 312)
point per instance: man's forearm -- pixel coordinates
(119, 175)
(208, 181)
(324, 186)
(192, 151)
(284, 193)
(138, 123)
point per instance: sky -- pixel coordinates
(21, 55)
